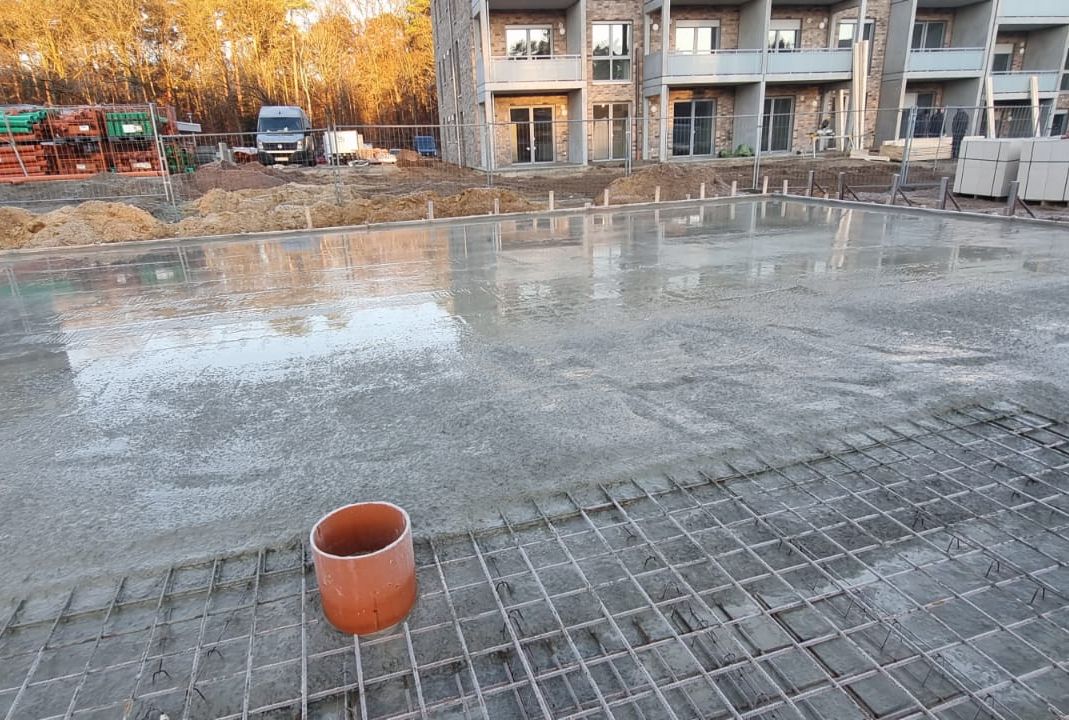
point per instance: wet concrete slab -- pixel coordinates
(168, 402)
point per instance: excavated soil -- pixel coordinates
(222, 212)
(228, 198)
(90, 222)
(229, 176)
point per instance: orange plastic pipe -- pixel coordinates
(365, 566)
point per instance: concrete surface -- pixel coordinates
(162, 403)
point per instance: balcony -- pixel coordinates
(1009, 85)
(1033, 11)
(557, 72)
(810, 64)
(718, 66)
(939, 63)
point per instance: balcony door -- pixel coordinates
(532, 134)
(693, 122)
(928, 35)
(528, 42)
(778, 124)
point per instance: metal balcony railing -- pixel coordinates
(549, 69)
(946, 60)
(1013, 83)
(1033, 8)
(810, 61)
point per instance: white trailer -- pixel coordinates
(341, 146)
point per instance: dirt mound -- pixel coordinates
(265, 200)
(18, 227)
(90, 222)
(289, 207)
(480, 201)
(676, 180)
(411, 158)
(229, 176)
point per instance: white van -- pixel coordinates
(284, 135)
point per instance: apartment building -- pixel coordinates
(537, 82)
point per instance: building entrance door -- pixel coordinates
(692, 127)
(778, 125)
(532, 136)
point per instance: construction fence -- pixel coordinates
(135, 154)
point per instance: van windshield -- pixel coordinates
(280, 124)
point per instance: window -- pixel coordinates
(1058, 124)
(612, 51)
(610, 131)
(525, 42)
(1002, 58)
(928, 35)
(784, 34)
(847, 28)
(1065, 75)
(696, 38)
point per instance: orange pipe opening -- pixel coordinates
(365, 566)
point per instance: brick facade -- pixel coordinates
(455, 56)
(1018, 40)
(500, 21)
(504, 131)
(945, 16)
(458, 51)
(725, 110)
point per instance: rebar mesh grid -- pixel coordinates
(915, 570)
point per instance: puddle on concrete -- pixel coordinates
(232, 391)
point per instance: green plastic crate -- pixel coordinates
(128, 124)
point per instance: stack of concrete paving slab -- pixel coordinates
(1044, 170)
(986, 167)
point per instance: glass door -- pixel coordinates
(610, 131)
(542, 134)
(532, 134)
(521, 135)
(693, 122)
(778, 122)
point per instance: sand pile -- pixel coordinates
(18, 227)
(480, 201)
(90, 222)
(223, 212)
(247, 200)
(229, 176)
(676, 181)
(289, 207)
(411, 158)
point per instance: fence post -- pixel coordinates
(894, 188)
(701, 191)
(734, 188)
(497, 206)
(943, 181)
(491, 159)
(430, 209)
(161, 156)
(812, 178)
(840, 188)
(1011, 200)
(551, 201)
(764, 185)
(908, 146)
(657, 194)
(605, 197)
(786, 186)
